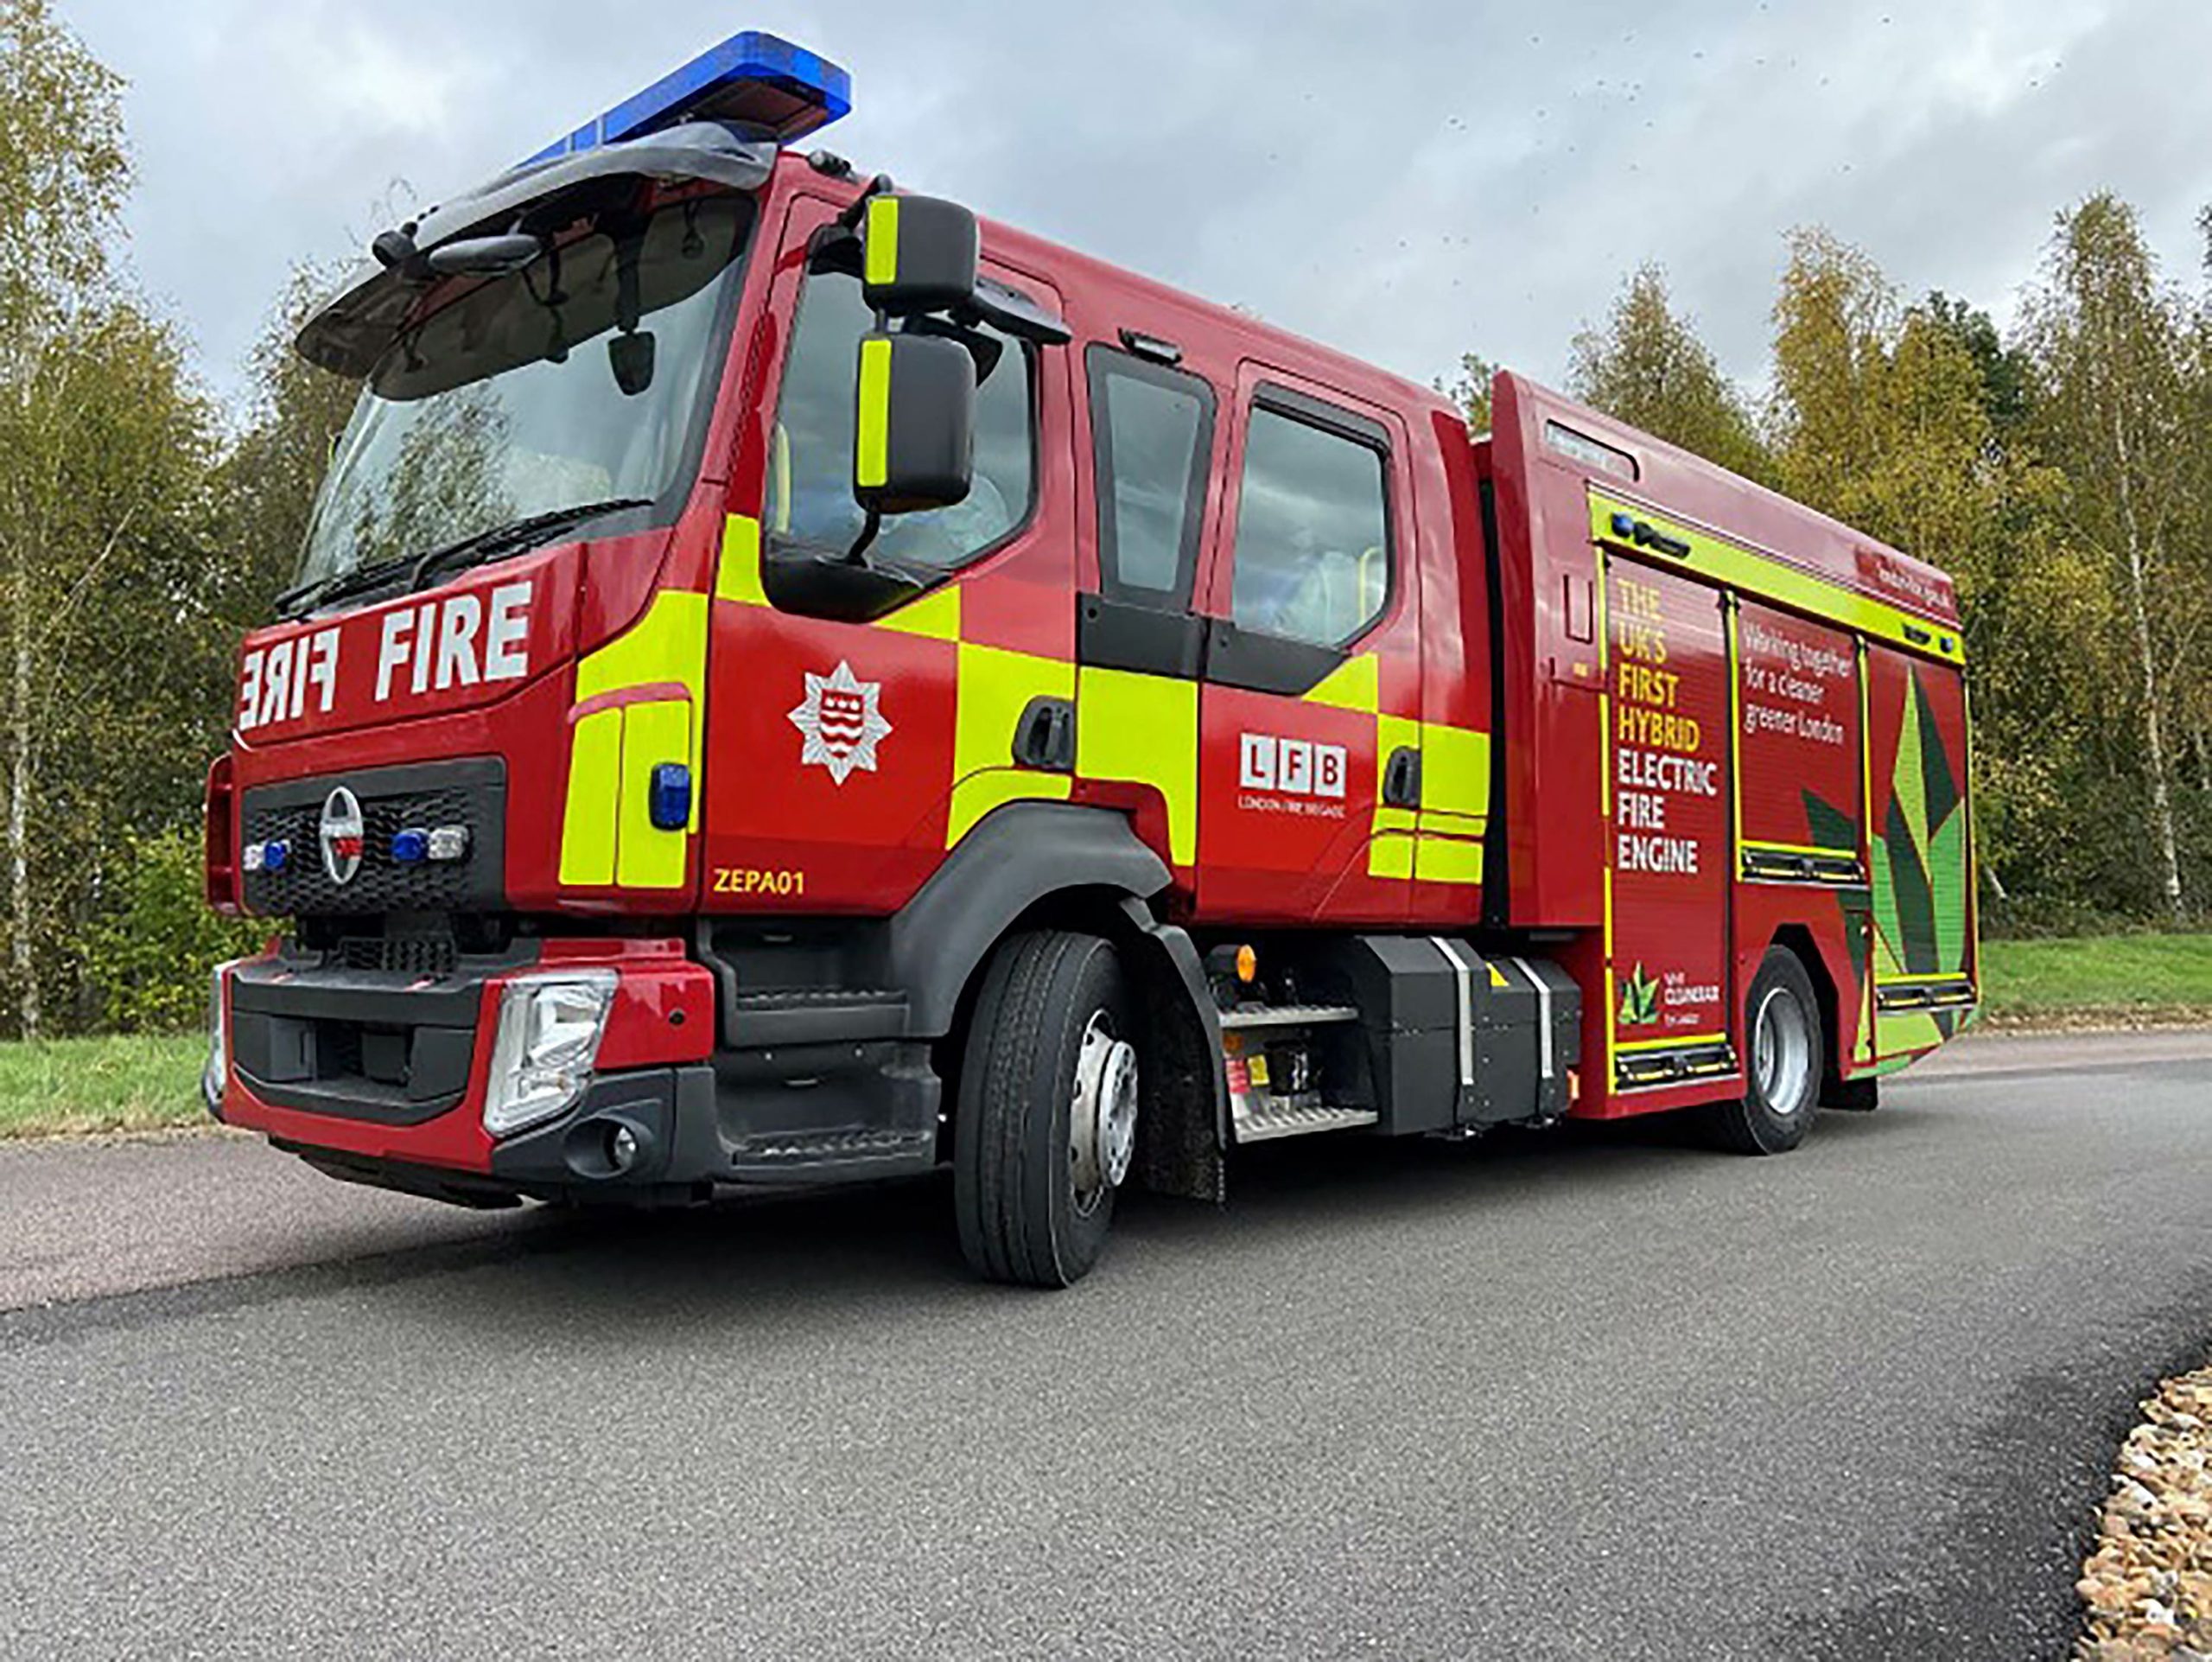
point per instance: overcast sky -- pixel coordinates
(1405, 178)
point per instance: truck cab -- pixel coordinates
(788, 683)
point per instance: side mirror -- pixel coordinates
(918, 254)
(914, 438)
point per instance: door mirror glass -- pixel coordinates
(918, 254)
(914, 427)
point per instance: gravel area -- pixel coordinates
(2148, 1584)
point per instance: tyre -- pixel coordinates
(1783, 1062)
(1047, 1113)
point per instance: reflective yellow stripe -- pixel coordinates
(645, 856)
(1390, 855)
(1680, 1043)
(1144, 729)
(1767, 577)
(1447, 860)
(1752, 846)
(936, 615)
(881, 240)
(872, 441)
(1605, 726)
(737, 576)
(1871, 1021)
(1613, 991)
(607, 831)
(1496, 977)
(588, 819)
(668, 644)
(1735, 726)
(979, 793)
(1355, 683)
(1454, 770)
(1454, 825)
(995, 687)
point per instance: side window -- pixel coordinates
(809, 496)
(1153, 429)
(1313, 532)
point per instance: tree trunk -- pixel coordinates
(23, 963)
(2154, 741)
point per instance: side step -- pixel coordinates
(1285, 1015)
(804, 1016)
(1265, 1125)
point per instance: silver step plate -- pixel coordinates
(1285, 1015)
(1298, 1122)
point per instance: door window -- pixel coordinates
(809, 496)
(1312, 531)
(1153, 429)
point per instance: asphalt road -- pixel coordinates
(1600, 1394)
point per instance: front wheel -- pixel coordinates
(1782, 1075)
(1047, 1110)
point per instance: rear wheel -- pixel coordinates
(1783, 1063)
(1047, 1110)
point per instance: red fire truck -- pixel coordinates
(788, 685)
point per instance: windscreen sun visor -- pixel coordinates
(353, 330)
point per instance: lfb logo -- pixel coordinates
(1290, 766)
(841, 723)
(342, 836)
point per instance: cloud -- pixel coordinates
(1404, 180)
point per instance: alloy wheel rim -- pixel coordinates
(1102, 1113)
(1781, 1051)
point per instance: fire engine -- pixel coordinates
(788, 683)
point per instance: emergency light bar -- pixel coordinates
(750, 77)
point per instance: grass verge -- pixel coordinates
(79, 1086)
(2122, 979)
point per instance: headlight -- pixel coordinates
(546, 1047)
(217, 1074)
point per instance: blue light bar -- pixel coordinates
(750, 77)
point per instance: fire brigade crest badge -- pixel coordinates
(841, 723)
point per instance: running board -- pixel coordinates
(1285, 1015)
(1265, 1126)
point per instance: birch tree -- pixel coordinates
(63, 175)
(2110, 343)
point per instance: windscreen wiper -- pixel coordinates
(305, 597)
(499, 540)
(517, 535)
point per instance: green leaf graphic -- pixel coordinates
(1921, 856)
(1639, 1000)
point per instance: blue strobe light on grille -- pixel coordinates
(752, 77)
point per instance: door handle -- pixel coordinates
(1044, 736)
(1401, 779)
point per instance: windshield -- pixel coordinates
(581, 380)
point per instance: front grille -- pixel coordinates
(399, 954)
(470, 794)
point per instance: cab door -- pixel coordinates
(845, 758)
(1309, 719)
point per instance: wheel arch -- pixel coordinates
(1048, 867)
(1018, 861)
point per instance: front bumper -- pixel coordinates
(380, 1077)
